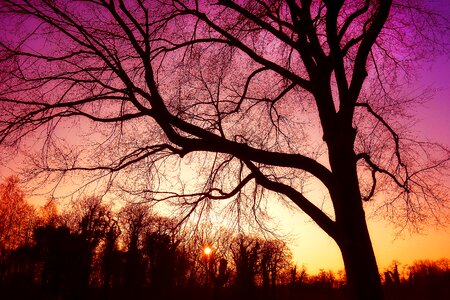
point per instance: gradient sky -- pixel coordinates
(315, 250)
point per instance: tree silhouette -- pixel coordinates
(274, 259)
(245, 251)
(135, 220)
(244, 87)
(91, 217)
(168, 259)
(220, 278)
(110, 257)
(48, 214)
(429, 279)
(212, 271)
(55, 251)
(53, 264)
(17, 221)
(164, 257)
(16, 215)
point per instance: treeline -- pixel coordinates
(424, 280)
(91, 251)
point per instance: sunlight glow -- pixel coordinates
(207, 251)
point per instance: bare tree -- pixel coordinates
(135, 220)
(91, 219)
(17, 220)
(246, 254)
(167, 260)
(48, 214)
(275, 258)
(17, 216)
(110, 254)
(241, 91)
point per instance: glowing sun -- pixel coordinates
(207, 251)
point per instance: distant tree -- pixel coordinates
(135, 220)
(298, 278)
(246, 251)
(57, 253)
(167, 259)
(424, 279)
(430, 274)
(392, 275)
(274, 261)
(49, 214)
(110, 256)
(258, 261)
(210, 272)
(16, 214)
(220, 278)
(90, 217)
(18, 273)
(324, 280)
(162, 255)
(258, 96)
(17, 219)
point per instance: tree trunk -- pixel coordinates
(359, 258)
(353, 236)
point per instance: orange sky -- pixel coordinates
(315, 250)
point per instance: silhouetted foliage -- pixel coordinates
(135, 219)
(274, 260)
(17, 219)
(61, 261)
(92, 252)
(167, 264)
(245, 251)
(48, 214)
(424, 279)
(16, 215)
(96, 253)
(110, 257)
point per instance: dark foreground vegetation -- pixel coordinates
(90, 251)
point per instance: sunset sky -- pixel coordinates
(315, 250)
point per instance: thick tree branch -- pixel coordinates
(304, 204)
(359, 70)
